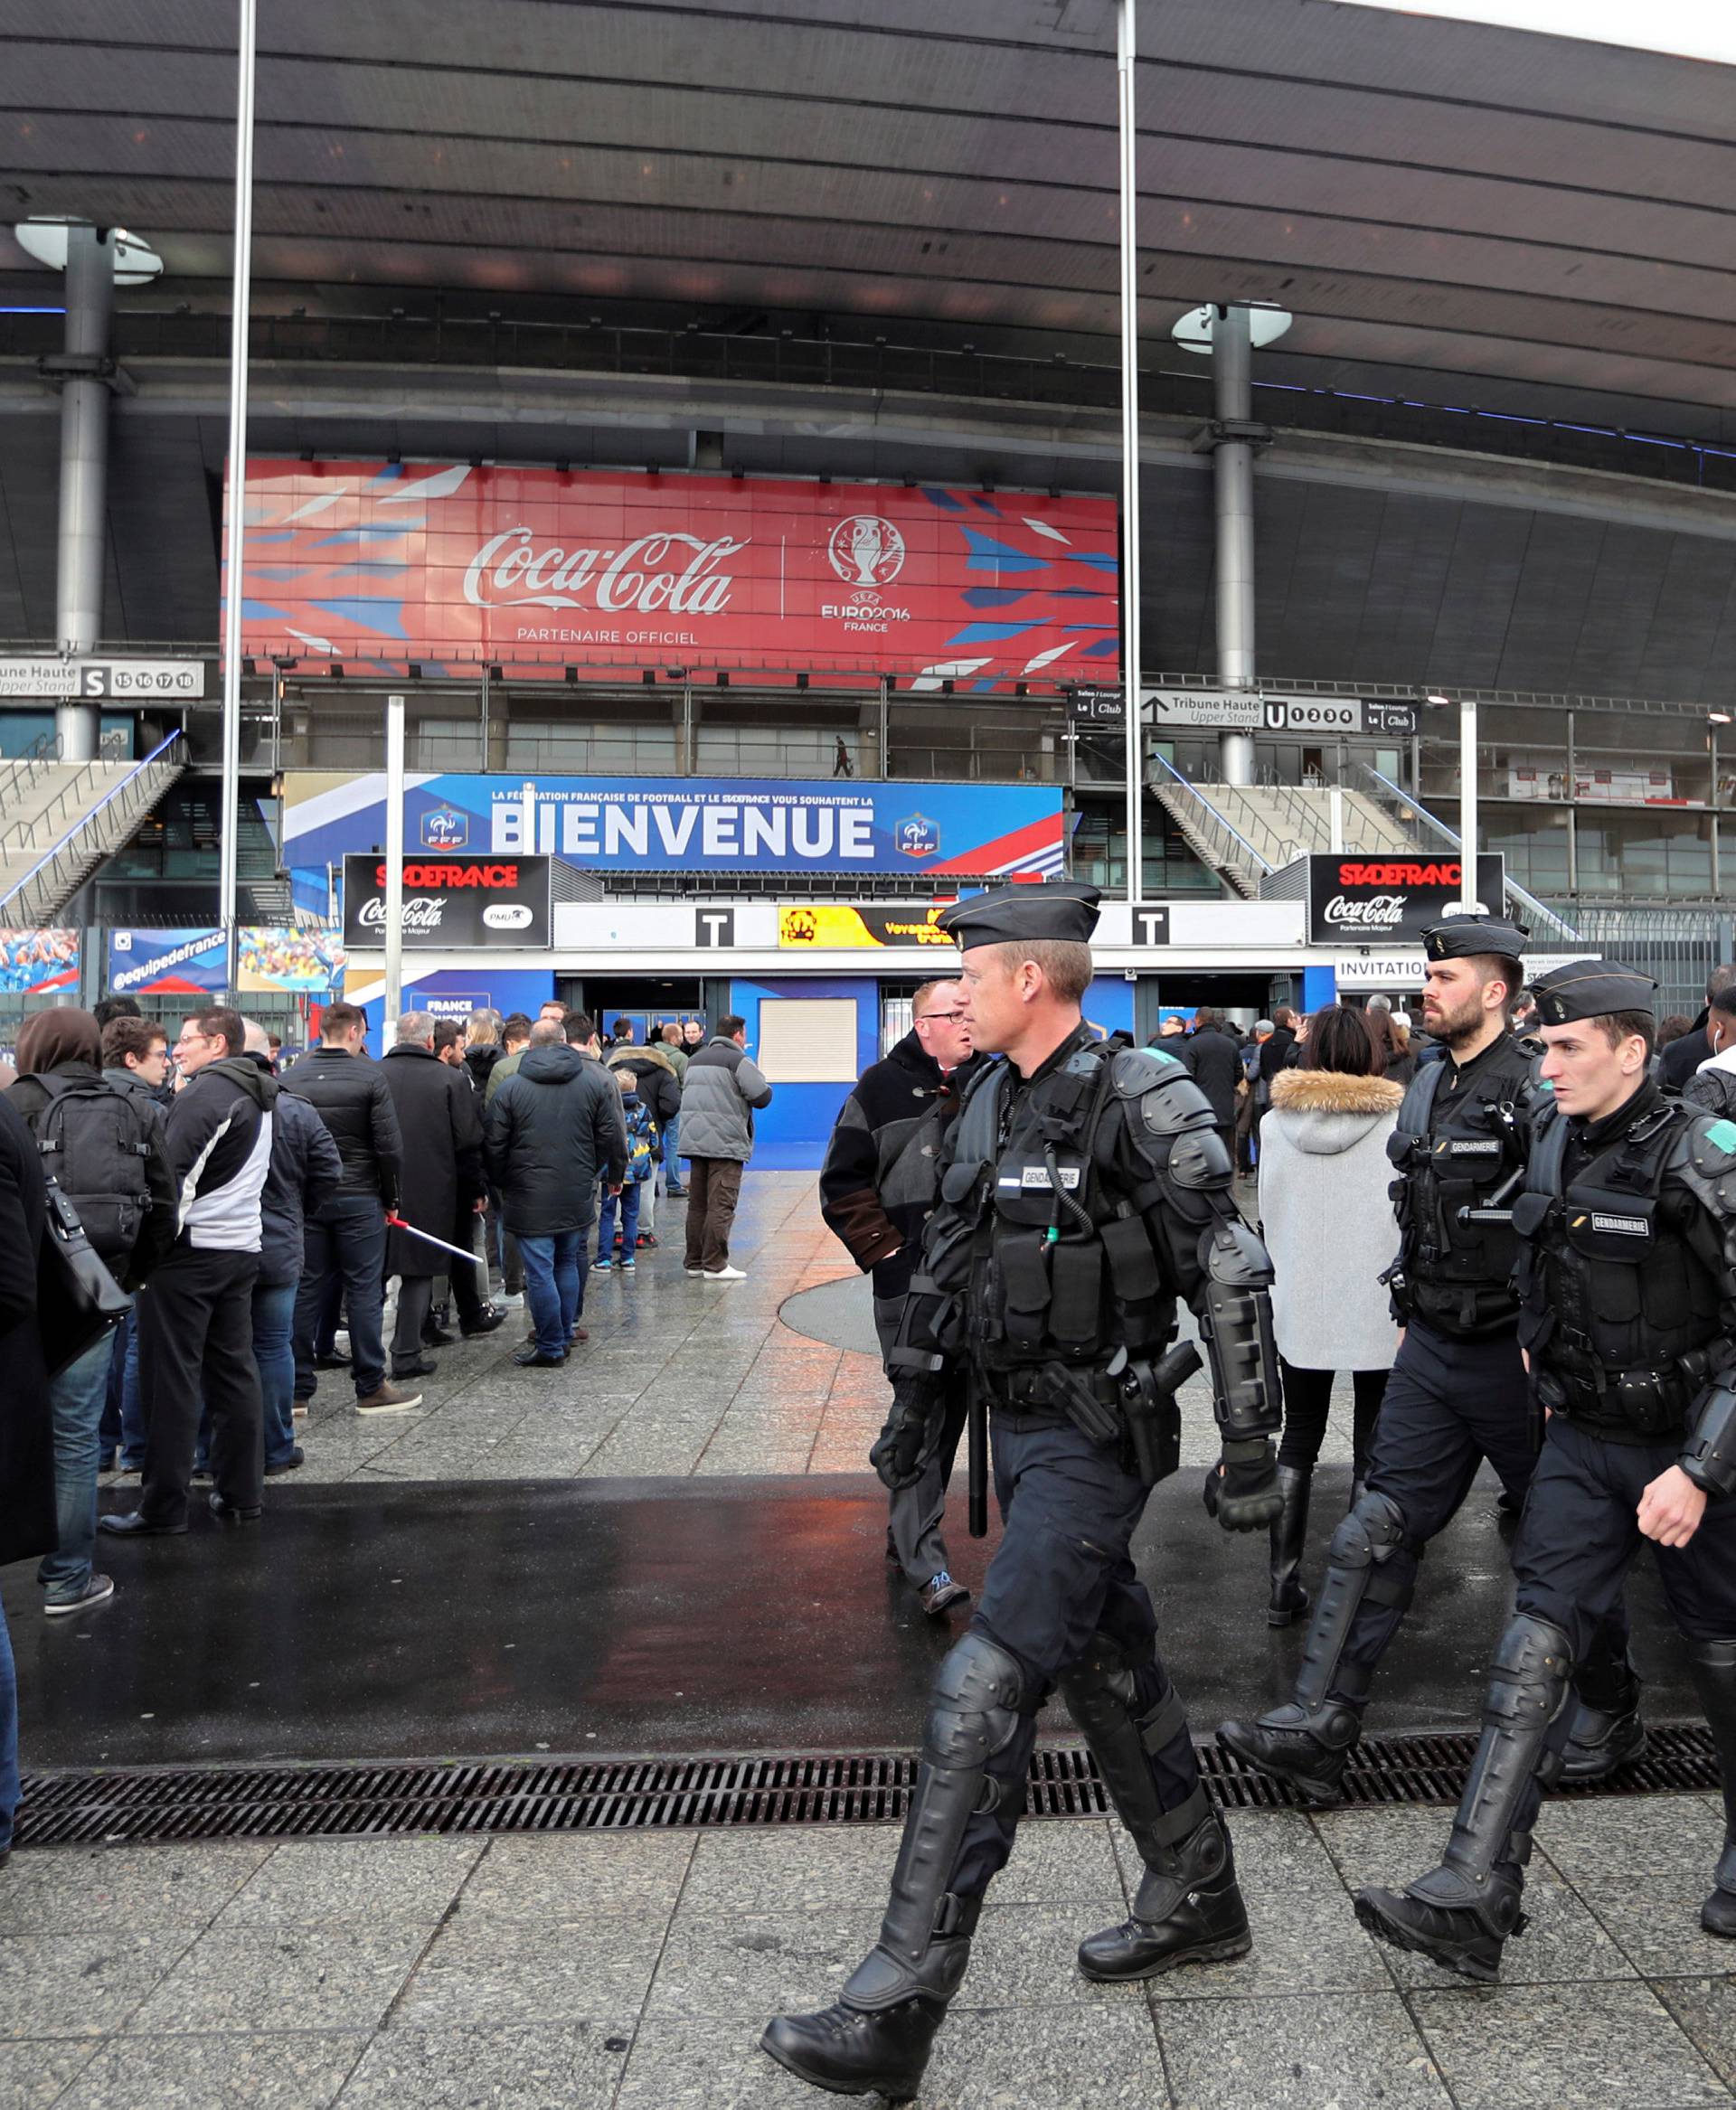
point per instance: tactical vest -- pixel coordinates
(1060, 1270)
(1619, 1310)
(1453, 1153)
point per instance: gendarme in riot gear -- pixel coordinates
(1457, 1394)
(1084, 1190)
(1628, 1277)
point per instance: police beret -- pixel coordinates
(1461, 936)
(1591, 989)
(1065, 908)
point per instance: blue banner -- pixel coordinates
(269, 959)
(686, 824)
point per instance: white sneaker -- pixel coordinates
(515, 1303)
(724, 1275)
(696, 1271)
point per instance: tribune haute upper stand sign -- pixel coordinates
(448, 565)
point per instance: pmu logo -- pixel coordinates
(917, 837)
(445, 828)
(865, 550)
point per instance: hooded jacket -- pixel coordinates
(1711, 1088)
(219, 1132)
(718, 1099)
(654, 1075)
(479, 1064)
(302, 1175)
(881, 1174)
(1326, 1217)
(350, 1096)
(554, 1129)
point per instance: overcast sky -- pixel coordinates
(1694, 29)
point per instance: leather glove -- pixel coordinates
(1248, 1496)
(897, 1455)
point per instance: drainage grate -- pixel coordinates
(298, 1802)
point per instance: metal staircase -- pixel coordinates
(64, 818)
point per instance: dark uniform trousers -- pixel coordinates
(1579, 1537)
(914, 1513)
(195, 1351)
(1448, 1405)
(1063, 1577)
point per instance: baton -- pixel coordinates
(428, 1239)
(977, 1421)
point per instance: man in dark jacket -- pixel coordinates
(304, 1173)
(878, 1188)
(135, 1060)
(718, 1102)
(554, 1129)
(104, 1150)
(437, 1105)
(347, 1235)
(27, 1501)
(1682, 1057)
(197, 1339)
(1213, 1061)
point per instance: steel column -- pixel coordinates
(1232, 466)
(241, 302)
(84, 468)
(1125, 63)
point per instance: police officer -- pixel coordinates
(1628, 1279)
(1458, 1393)
(1084, 1189)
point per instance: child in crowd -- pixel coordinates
(641, 1164)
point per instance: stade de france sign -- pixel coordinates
(1252, 710)
(130, 681)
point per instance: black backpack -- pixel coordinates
(94, 1142)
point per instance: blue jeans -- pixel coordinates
(8, 1737)
(629, 1198)
(123, 1415)
(671, 1156)
(553, 1287)
(274, 1315)
(346, 1239)
(76, 1397)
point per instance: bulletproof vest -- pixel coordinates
(1619, 1309)
(1455, 1151)
(1060, 1269)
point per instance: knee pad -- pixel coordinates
(974, 1709)
(1371, 1531)
(1529, 1674)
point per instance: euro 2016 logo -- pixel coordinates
(865, 550)
(444, 828)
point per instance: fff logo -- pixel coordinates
(917, 837)
(445, 828)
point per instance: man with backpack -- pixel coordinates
(196, 1336)
(106, 1151)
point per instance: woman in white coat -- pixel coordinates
(1326, 1218)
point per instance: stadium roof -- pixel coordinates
(1451, 210)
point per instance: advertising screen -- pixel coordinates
(1387, 897)
(269, 960)
(32, 961)
(453, 564)
(451, 898)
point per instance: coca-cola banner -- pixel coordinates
(451, 898)
(1385, 899)
(377, 564)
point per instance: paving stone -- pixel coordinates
(1645, 1881)
(321, 1882)
(1562, 2048)
(1272, 1849)
(82, 1985)
(567, 1881)
(261, 1978)
(1350, 2053)
(575, 2066)
(1304, 1942)
(1706, 2010)
(34, 2076)
(66, 1888)
(745, 1964)
(282, 2071)
(1026, 1955)
(481, 1971)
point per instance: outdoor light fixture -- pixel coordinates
(676, 673)
(1718, 717)
(572, 673)
(649, 677)
(494, 673)
(413, 668)
(1267, 322)
(801, 680)
(335, 670)
(248, 668)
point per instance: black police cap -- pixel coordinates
(1064, 908)
(1591, 989)
(1460, 936)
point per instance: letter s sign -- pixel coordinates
(93, 681)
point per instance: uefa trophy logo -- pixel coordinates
(866, 551)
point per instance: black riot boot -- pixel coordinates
(1608, 1731)
(1310, 1739)
(1188, 1910)
(1713, 1663)
(1290, 1528)
(1461, 1913)
(875, 2037)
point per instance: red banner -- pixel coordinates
(380, 564)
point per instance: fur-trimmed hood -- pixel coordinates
(1324, 1112)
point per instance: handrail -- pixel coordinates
(21, 770)
(1235, 834)
(158, 754)
(1283, 849)
(1450, 836)
(57, 806)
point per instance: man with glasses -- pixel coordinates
(878, 1189)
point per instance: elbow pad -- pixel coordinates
(1709, 1454)
(1235, 1315)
